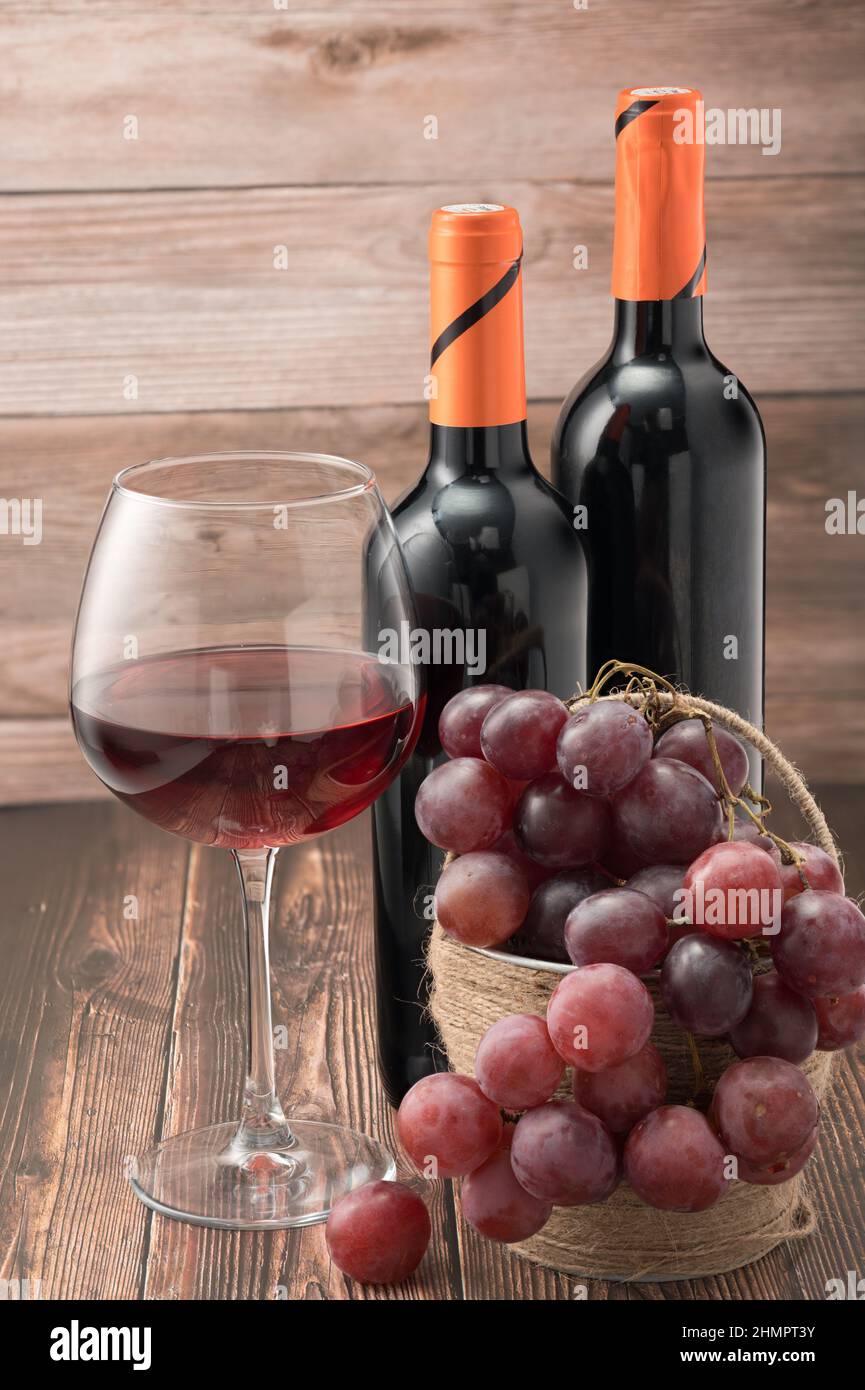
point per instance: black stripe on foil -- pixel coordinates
(687, 291)
(633, 111)
(476, 311)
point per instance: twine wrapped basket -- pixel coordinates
(621, 1238)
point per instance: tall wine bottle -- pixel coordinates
(499, 574)
(662, 444)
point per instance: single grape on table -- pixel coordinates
(378, 1233)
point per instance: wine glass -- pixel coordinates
(224, 686)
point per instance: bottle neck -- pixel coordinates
(457, 451)
(649, 327)
(659, 247)
(477, 379)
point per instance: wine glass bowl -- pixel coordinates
(224, 686)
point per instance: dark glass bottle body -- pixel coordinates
(490, 548)
(665, 450)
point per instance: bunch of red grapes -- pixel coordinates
(580, 838)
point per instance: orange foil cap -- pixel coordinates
(659, 250)
(476, 316)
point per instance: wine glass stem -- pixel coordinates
(263, 1124)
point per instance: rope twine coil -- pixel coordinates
(622, 1238)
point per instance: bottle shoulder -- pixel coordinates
(684, 405)
(500, 521)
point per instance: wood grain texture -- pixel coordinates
(116, 1033)
(174, 296)
(814, 648)
(84, 1013)
(241, 92)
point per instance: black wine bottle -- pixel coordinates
(499, 575)
(662, 445)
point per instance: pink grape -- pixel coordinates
(519, 734)
(482, 898)
(764, 1110)
(840, 1020)
(820, 871)
(706, 985)
(781, 1171)
(821, 946)
(516, 1064)
(660, 882)
(687, 742)
(668, 812)
(779, 1023)
(619, 926)
(733, 890)
(563, 1154)
(542, 934)
(603, 746)
(497, 1206)
(599, 1016)
(461, 719)
(463, 805)
(378, 1233)
(622, 1096)
(673, 1160)
(447, 1125)
(561, 828)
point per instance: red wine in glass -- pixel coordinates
(245, 747)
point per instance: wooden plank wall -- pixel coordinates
(266, 123)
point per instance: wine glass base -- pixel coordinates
(203, 1177)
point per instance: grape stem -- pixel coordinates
(700, 1087)
(642, 689)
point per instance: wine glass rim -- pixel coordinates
(366, 479)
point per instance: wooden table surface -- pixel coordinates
(122, 1023)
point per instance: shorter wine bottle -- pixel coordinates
(499, 577)
(661, 444)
